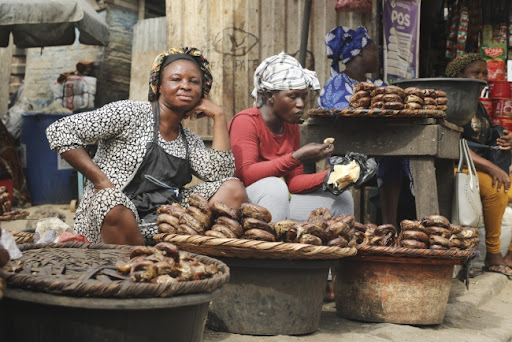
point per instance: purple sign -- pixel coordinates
(401, 24)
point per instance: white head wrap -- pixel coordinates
(283, 72)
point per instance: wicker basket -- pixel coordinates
(22, 237)
(242, 248)
(464, 255)
(88, 270)
(377, 113)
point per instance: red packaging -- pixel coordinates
(488, 105)
(495, 55)
(500, 89)
(502, 108)
(503, 121)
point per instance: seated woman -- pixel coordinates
(145, 156)
(358, 53)
(265, 141)
(494, 182)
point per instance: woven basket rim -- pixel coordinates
(97, 288)
(243, 248)
(418, 253)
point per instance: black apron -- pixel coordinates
(159, 178)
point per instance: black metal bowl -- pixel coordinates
(462, 94)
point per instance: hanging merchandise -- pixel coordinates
(353, 5)
(495, 55)
(462, 32)
(452, 32)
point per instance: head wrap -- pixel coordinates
(343, 44)
(282, 72)
(171, 55)
(457, 66)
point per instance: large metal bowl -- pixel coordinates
(462, 94)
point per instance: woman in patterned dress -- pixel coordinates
(145, 157)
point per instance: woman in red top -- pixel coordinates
(265, 141)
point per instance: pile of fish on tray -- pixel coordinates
(433, 231)
(252, 221)
(368, 96)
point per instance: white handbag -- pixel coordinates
(467, 205)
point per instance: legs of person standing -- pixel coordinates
(493, 205)
(271, 193)
(301, 205)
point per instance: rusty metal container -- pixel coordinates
(270, 297)
(403, 290)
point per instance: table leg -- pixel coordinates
(445, 181)
(425, 186)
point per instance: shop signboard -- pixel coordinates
(401, 26)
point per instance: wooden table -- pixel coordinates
(430, 144)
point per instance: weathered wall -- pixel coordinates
(5, 74)
(149, 39)
(236, 35)
(114, 83)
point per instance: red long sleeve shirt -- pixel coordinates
(259, 153)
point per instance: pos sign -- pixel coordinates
(401, 24)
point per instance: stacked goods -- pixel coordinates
(435, 99)
(413, 235)
(163, 264)
(438, 228)
(388, 97)
(372, 235)
(433, 231)
(361, 97)
(500, 95)
(5, 203)
(467, 237)
(414, 98)
(367, 95)
(253, 222)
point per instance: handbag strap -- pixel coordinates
(465, 157)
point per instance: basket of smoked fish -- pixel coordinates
(431, 237)
(218, 230)
(113, 271)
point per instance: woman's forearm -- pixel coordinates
(82, 162)
(220, 133)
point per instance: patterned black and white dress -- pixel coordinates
(122, 130)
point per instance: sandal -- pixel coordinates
(474, 273)
(498, 269)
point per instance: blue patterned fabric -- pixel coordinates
(343, 44)
(338, 89)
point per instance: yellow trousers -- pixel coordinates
(510, 192)
(493, 204)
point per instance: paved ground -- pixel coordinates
(482, 313)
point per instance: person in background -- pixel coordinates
(145, 157)
(265, 141)
(358, 53)
(494, 182)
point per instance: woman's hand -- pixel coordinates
(505, 142)
(206, 108)
(313, 152)
(500, 177)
